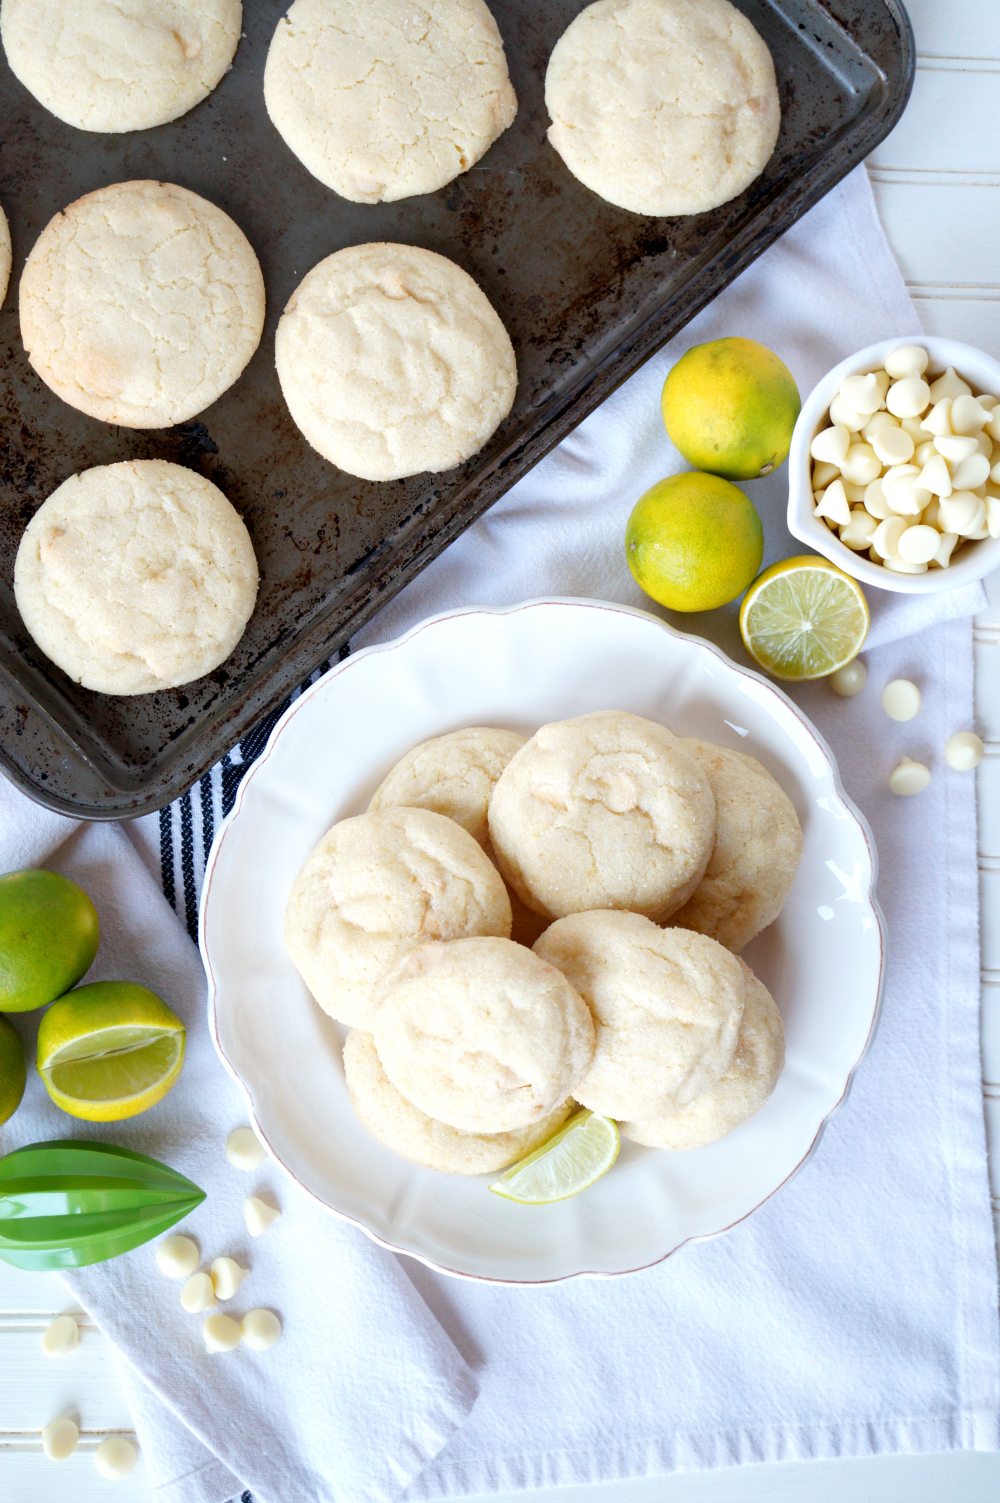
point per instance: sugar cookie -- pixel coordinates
(136, 576)
(141, 303)
(454, 774)
(663, 106)
(392, 361)
(380, 100)
(481, 1033)
(374, 887)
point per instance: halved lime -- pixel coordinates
(577, 1155)
(804, 618)
(109, 1050)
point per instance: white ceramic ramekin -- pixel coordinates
(975, 560)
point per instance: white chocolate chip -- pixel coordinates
(59, 1439)
(198, 1294)
(923, 452)
(961, 512)
(916, 429)
(861, 465)
(900, 699)
(885, 538)
(900, 566)
(967, 416)
(972, 472)
(986, 445)
(936, 477)
(62, 1337)
(949, 385)
(986, 401)
(919, 544)
(893, 446)
(244, 1149)
(877, 422)
(993, 426)
(823, 473)
(937, 422)
(258, 1215)
(261, 1329)
(992, 504)
(909, 397)
(115, 1457)
(845, 417)
(946, 548)
(875, 503)
(955, 449)
(862, 394)
(854, 493)
(220, 1333)
(227, 1276)
(177, 1257)
(909, 777)
(859, 531)
(964, 751)
(906, 497)
(850, 679)
(930, 514)
(834, 504)
(907, 360)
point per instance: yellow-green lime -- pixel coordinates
(12, 1071)
(577, 1155)
(48, 938)
(730, 406)
(109, 1050)
(804, 618)
(694, 542)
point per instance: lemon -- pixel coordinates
(109, 1050)
(48, 938)
(578, 1154)
(12, 1072)
(730, 407)
(693, 542)
(804, 618)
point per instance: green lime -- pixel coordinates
(578, 1154)
(694, 542)
(12, 1071)
(48, 938)
(730, 407)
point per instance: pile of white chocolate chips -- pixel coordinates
(909, 471)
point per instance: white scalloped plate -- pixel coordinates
(541, 661)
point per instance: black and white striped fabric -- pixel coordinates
(188, 825)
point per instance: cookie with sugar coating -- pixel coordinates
(120, 65)
(604, 811)
(374, 887)
(758, 846)
(666, 1005)
(381, 101)
(454, 774)
(136, 576)
(481, 1033)
(141, 303)
(663, 106)
(736, 1095)
(408, 1131)
(393, 361)
(5, 257)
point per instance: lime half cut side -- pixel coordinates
(577, 1155)
(803, 618)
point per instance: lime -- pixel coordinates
(693, 542)
(12, 1072)
(109, 1050)
(578, 1154)
(730, 407)
(804, 618)
(48, 938)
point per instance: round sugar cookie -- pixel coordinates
(393, 362)
(736, 1095)
(375, 886)
(408, 1131)
(481, 1034)
(382, 100)
(135, 577)
(758, 845)
(141, 303)
(604, 811)
(666, 1005)
(663, 106)
(454, 774)
(4, 255)
(118, 65)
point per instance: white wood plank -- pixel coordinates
(990, 618)
(989, 897)
(987, 670)
(988, 801)
(989, 1013)
(44, 1292)
(37, 1389)
(975, 321)
(27, 1477)
(954, 28)
(943, 236)
(991, 1105)
(946, 126)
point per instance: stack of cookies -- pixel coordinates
(636, 865)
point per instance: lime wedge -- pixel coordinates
(577, 1155)
(803, 618)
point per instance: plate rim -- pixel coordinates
(395, 643)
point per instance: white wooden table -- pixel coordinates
(936, 180)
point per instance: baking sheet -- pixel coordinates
(587, 292)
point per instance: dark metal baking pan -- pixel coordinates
(586, 290)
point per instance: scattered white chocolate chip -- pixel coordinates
(909, 397)
(177, 1257)
(244, 1150)
(198, 1294)
(227, 1276)
(846, 417)
(919, 544)
(220, 1333)
(909, 777)
(62, 1337)
(964, 751)
(115, 1457)
(850, 679)
(261, 1329)
(900, 699)
(967, 416)
(258, 1215)
(862, 393)
(949, 385)
(59, 1439)
(907, 360)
